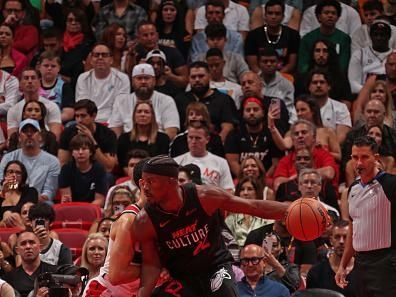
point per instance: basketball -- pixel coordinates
(306, 219)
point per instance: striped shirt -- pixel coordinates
(371, 207)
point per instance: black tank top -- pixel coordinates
(190, 242)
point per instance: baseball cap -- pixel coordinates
(31, 122)
(380, 24)
(156, 53)
(143, 69)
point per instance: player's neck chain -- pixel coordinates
(277, 38)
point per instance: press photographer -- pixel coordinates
(66, 281)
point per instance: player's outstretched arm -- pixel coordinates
(122, 251)
(213, 198)
(151, 266)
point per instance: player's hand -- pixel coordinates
(340, 277)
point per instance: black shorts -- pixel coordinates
(218, 283)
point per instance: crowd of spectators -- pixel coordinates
(262, 98)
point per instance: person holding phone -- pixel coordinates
(52, 251)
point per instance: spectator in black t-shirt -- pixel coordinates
(104, 139)
(221, 107)
(144, 135)
(157, 59)
(196, 111)
(22, 278)
(147, 37)
(252, 138)
(275, 35)
(322, 274)
(15, 193)
(83, 179)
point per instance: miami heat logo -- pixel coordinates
(217, 279)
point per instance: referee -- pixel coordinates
(372, 232)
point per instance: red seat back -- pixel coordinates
(76, 215)
(73, 238)
(5, 233)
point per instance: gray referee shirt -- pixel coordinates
(373, 213)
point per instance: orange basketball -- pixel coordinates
(306, 219)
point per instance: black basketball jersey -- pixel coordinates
(190, 241)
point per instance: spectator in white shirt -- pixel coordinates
(102, 84)
(236, 17)
(9, 92)
(143, 82)
(334, 114)
(30, 85)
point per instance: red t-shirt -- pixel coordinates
(322, 158)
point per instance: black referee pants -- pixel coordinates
(376, 273)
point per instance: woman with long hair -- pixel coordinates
(115, 37)
(144, 134)
(11, 60)
(308, 109)
(241, 224)
(252, 167)
(171, 26)
(379, 90)
(36, 110)
(15, 193)
(94, 253)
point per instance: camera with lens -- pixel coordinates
(55, 283)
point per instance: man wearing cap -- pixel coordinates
(30, 86)
(143, 83)
(252, 138)
(103, 83)
(361, 37)
(370, 59)
(157, 59)
(221, 107)
(185, 224)
(42, 168)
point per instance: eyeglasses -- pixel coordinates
(16, 172)
(253, 260)
(104, 55)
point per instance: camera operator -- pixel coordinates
(22, 278)
(67, 281)
(52, 250)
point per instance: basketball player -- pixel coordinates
(185, 223)
(372, 231)
(121, 278)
